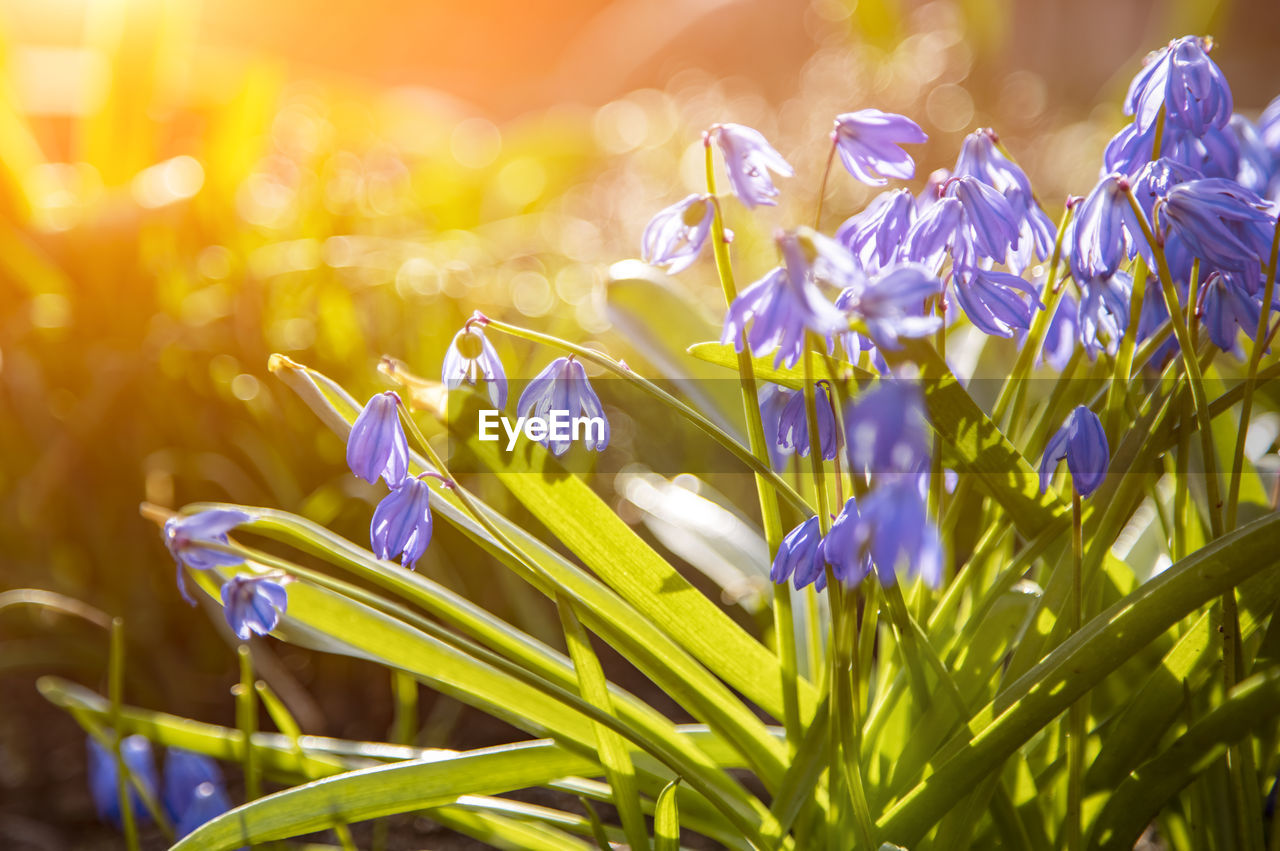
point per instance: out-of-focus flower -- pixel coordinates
(253, 604)
(208, 801)
(748, 159)
(892, 305)
(875, 236)
(184, 775)
(1185, 81)
(1226, 306)
(1105, 230)
(793, 424)
(990, 299)
(402, 522)
(1083, 442)
(799, 555)
(1103, 314)
(894, 528)
(376, 445)
(563, 386)
(849, 562)
(1221, 222)
(1269, 126)
(868, 143)
(1255, 166)
(470, 357)
(186, 536)
(773, 400)
(135, 750)
(1060, 337)
(885, 429)
(675, 235)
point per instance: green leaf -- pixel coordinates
(666, 819)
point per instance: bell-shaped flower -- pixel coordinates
(1255, 164)
(252, 605)
(773, 399)
(875, 236)
(1221, 222)
(208, 801)
(675, 236)
(376, 445)
(990, 224)
(885, 429)
(1227, 307)
(933, 233)
(184, 771)
(1103, 314)
(793, 424)
(1060, 337)
(868, 143)
(991, 300)
(893, 527)
(470, 358)
(849, 562)
(981, 157)
(748, 159)
(1155, 179)
(135, 750)
(563, 387)
(1186, 82)
(186, 537)
(1083, 442)
(1105, 230)
(799, 555)
(402, 522)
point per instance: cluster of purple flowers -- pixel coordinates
(193, 792)
(252, 604)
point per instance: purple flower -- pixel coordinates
(402, 522)
(868, 143)
(933, 233)
(1221, 222)
(562, 395)
(1226, 306)
(799, 555)
(208, 801)
(793, 424)
(1060, 337)
(1105, 230)
(1269, 126)
(470, 357)
(990, 299)
(1255, 166)
(748, 159)
(252, 605)
(1155, 179)
(192, 781)
(981, 157)
(1103, 314)
(988, 217)
(894, 528)
(875, 236)
(885, 429)
(376, 445)
(1083, 442)
(773, 399)
(185, 537)
(786, 303)
(892, 305)
(1186, 82)
(136, 753)
(675, 235)
(849, 562)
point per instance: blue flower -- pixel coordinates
(253, 604)
(885, 429)
(1256, 164)
(981, 157)
(675, 235)
(402, 522)
(799, 555)
(933, 233)
(849, 562)
(990, 299)
(563, 387)
(892, 305)
(1221, 222)
(1060, 337)
(1227, 305)
(184, 773)
(136, 752)
(1103, 314)
(793, 424)
(989, 220)
(1105, 230)
(208, 801)
(868, 143)
(186, 535)
(1186, 82)
(748, 159)
(875, 236)
(470, 357)
(376, 445)
(1083, 442)
(773, 399)
(894, 528)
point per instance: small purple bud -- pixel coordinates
(1083, 442)
(252, 605)
(675, 236)
(376, 445)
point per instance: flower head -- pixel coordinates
(563, 386)
(470, 358)
(933, 233)
(1083, 442)
(875, 235)
(849, 562)
(748, 159)
(1105, 230)
(1103, 313)
(981, 157)
(892, 305)
(793, 424)
(1226, 307)
(990, 222)
(376, 445)
(208, 801)
(184, 773)
(774, 399)
(1221, 222)
(990, 299)
(675, 235)
(103, 774)
(868, 143)
(1185, 81)
(253, 604)
(1060, 337)
(799, 555)
(894, 528)
(402, 522)
(885, 429)
(186, 535)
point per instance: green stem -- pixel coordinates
(1076, 714)
(822, 187)
(115, 692)
(247, 721)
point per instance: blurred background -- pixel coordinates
(188, 187)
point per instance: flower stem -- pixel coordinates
(115, 691)
(822, 187)
(1076, 714)
(247, 721)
